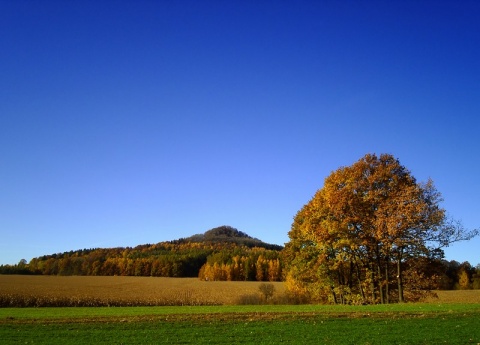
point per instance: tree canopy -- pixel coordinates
(366, 234)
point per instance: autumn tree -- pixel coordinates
(350, 243)
(463, 279)
(476, 278)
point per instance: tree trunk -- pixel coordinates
(387, 299)
(350, 274)
(360, 282)
(341, 283)
(379, 271)
(399, 276)
(372, 284)
(380, 285)
(334, 295)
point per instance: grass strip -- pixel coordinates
(88, 312)
(247, 327)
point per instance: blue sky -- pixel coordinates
(125, 123)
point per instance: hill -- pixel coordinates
(222, 253)
(228, 234)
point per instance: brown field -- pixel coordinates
(17, 290)
(456, 296)
(89, 290)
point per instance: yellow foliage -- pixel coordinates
(357, 228)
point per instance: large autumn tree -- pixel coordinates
(359, 236)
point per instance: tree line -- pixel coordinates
(222, 253)
(259, 266)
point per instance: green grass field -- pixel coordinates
(307, 324)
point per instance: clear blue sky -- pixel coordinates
(125, 123)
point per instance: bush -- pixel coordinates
(267, 290)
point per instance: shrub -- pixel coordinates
(267, 290)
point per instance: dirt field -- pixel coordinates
(157, 291)
(147, 290)
(456, 296)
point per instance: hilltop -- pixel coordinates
(228, 234)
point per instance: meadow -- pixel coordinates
(452, 318)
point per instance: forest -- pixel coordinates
(222, 253)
